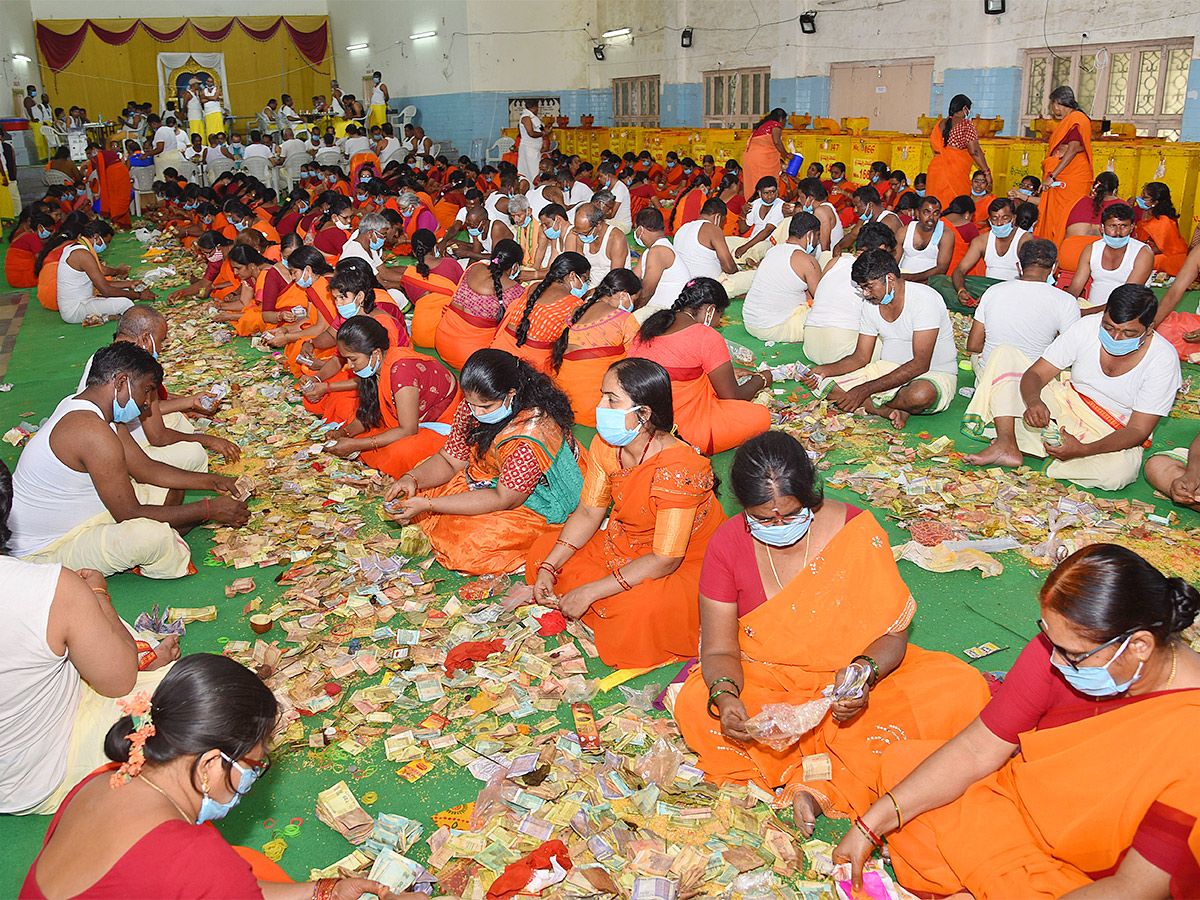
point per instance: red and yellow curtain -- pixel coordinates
(100, 64)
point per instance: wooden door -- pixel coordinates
(891, 94)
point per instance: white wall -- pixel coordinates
(16, 36)
(164, 9)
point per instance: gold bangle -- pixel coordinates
(899, 815)
(100, 591)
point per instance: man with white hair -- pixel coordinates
(602, 245)
(525, 229)
(366, 242)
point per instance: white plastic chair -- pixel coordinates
(260, 168)
(265, 124)
(394, 156)
(406, 116)
(53, 176)
(143, 183)
(291, 168)
(503, 145)
(218, 167)
(435, 149)
(330, 156)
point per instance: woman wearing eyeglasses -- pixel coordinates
(139, 830)
(796, 594)
(1079, 778)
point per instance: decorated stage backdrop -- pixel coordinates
(100, 64)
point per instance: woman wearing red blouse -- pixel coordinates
(142, 830)
(1079, 778)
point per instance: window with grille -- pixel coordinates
(635, 101)
(736, 98)
(1143, 83)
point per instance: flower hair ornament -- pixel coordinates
(138, 707)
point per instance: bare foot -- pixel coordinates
(805, 811)
(996, 454)
(898, 418)
(520, 594)
(166, 652)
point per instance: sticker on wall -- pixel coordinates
(881, 89)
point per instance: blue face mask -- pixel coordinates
(687, 171)
(920, 192)
(368, 371)
(610, 425)
(43, 233)
(1050, 279)
(1028, 192)
(376, 243)
(305, 283)
(580, 291)
(347, 310)
(99, 246)
(553, 233)
(889, 296)
(808, 208)
(1116, 242)
(303, 208)
(474, 232)
(874, 179)
(975, 193)
(782, 535)
(240, 226)
(497, 415)
(126, 412)
(1118, 347)
(362, 198)
(670, 165)
(588, 238)
(1002, 231)
(1097, 681)
(210, 809)
(866, 217)
(1142, 203)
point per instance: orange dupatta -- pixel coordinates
(793, 646)
(1055, 204)
(1172, 248)
(1061, 814)
(703, 419)
(949, 173)
(429, 296)
(657, 620)
(761, 158)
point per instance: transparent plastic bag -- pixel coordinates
(779, 725)
(641, 698)
(578, 689)
(659, 764)
(755, 885)
(490, 801)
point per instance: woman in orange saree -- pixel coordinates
(429, 283)
(634, 582)
(687, 207)
(529, 330)
(1067, 166)
(469, 321)
(116, 187)
(1036, 798)
(598, 335)
(764, 151)
(799, 593)
(1159, 228)
(305, 310)
(510, 472)
(405, 400)
(956, 145)
(713, 411)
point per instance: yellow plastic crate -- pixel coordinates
(1120, 159)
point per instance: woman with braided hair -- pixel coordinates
(529, 330)
(712, 406)
(510, 472)
(472, 316)
(429, 283)
(597, 335)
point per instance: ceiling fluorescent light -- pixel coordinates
(422, 34)
(619, 32)
(353, 47)
(21, 57)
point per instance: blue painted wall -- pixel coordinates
(1191, 108)
(801, 95)
(993, 92)
(681, 105)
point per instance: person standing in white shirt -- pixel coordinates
(164, 148)
(1095, 423)
(532, 135)
(190, 100)
(917, 369)
(1026, 314)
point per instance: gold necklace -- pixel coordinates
(771, 560)
(1174, 664)
(185, 816)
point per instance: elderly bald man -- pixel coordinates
(602, 244)
(163, 430)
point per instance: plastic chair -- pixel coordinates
(53, 176)
(143, 183)
(406, 116)
(218, 167)
(330, 156)
(501, 146)
(266, 124)
(394, 156)
(435, 149)
(260, 168)
(291, 168)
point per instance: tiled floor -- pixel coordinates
(12, 312)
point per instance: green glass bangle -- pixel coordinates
(719, 680)
(874, 667)
(712, 699)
